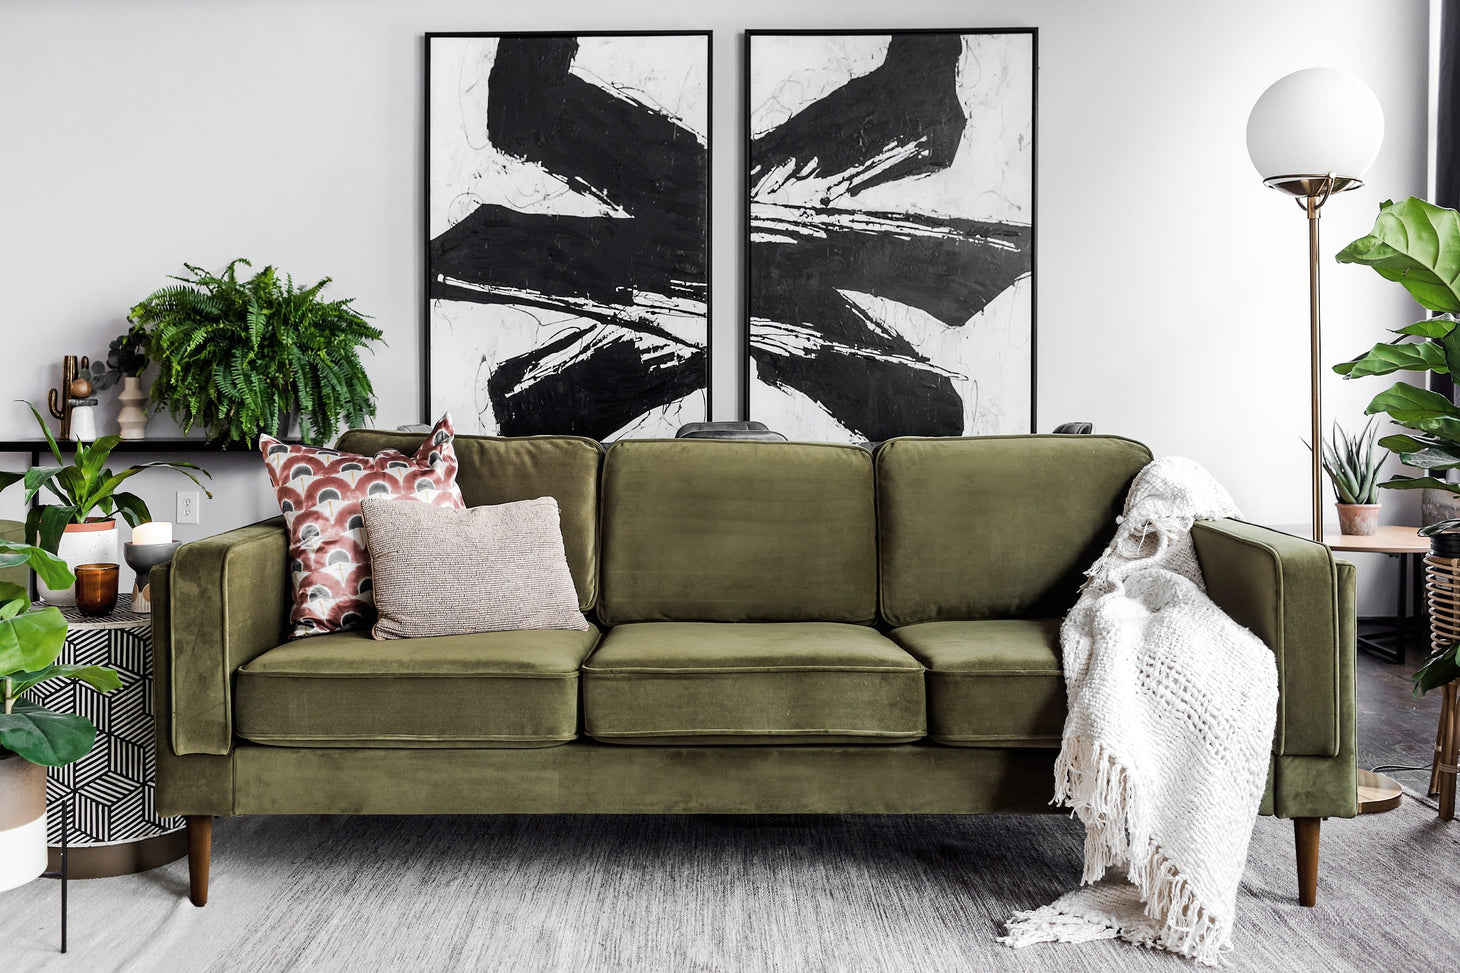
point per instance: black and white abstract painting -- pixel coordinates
(567, 225)
(891, 241)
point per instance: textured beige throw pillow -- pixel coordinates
(483, 569)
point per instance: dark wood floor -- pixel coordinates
(1395, 728)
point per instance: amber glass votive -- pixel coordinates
(96, 588)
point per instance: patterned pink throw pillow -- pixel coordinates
(320, 492)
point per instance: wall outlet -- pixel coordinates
(187, 506)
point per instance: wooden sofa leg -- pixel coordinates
(200, 846)
(1305, 835)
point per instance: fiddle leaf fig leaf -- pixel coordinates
(31, 640)
(1417, 245)
(1385, 357)
(46, 737)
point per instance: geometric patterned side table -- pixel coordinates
(111, 791)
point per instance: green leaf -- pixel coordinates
(53, 523)
(46, 737)
(1406, 404)
(1428, 328)
(1440, 669)
(46, 431)
(99, 678)
(1385, 358)
(8, 478)
(14, 599)
(1431, 530)
(134, 511)
(1417, 483)
(49, 568)
(31, 640)
(1416, 244)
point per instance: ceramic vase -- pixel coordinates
(22, 821)
(94, 542)
(132, 418)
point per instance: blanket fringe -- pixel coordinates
(1099, 789)
(1049, 925)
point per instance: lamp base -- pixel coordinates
(1377, 793)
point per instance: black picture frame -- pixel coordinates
(747, 141)
(426, 298)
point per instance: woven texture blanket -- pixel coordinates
(1165, 752)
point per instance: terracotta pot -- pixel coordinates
(22, 821)
(92, 542)
(1358, 519)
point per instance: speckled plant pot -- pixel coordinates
(1358, 519)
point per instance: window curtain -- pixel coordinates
(1447, 134)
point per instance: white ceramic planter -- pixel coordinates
(132, 418)
(22, 821)
(94, 542)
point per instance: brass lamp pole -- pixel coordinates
(1311, 193)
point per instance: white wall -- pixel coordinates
(1172, 289)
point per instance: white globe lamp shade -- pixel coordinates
(1313, 122)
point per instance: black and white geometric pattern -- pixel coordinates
(111, 790)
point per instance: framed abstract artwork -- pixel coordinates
(567, 227)
(890, 249)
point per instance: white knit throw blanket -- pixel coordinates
(1166, 746)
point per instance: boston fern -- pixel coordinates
(237, 357)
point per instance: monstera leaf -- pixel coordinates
(1417, 245)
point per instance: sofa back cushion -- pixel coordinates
(711, 530)
(493, 470)
(995, 526)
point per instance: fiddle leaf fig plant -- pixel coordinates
(1417, 245)
(31, 640)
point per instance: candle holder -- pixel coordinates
(142, 558)
(96, 588)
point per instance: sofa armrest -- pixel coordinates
(227, 602)
(1285, 589)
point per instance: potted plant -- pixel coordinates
(79, 528)
(32, 737)
(1352, 464)
(125, 360)
(1417, 245)
(240, 357)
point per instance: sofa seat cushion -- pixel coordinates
(693, 683)
(487, 689)
(992, 683)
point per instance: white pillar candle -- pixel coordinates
(156, 532)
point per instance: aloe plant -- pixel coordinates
(31, 639)
(1352, 464)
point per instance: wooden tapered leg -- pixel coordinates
(1446, 759)
(200, 847)
(1305, 835)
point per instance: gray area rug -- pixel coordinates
(680, 893)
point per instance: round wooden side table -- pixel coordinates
(114, 826)
(1376, 792)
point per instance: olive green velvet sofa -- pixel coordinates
(779, 628)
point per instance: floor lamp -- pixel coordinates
(1312, 134)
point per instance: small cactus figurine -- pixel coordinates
(59, 399)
